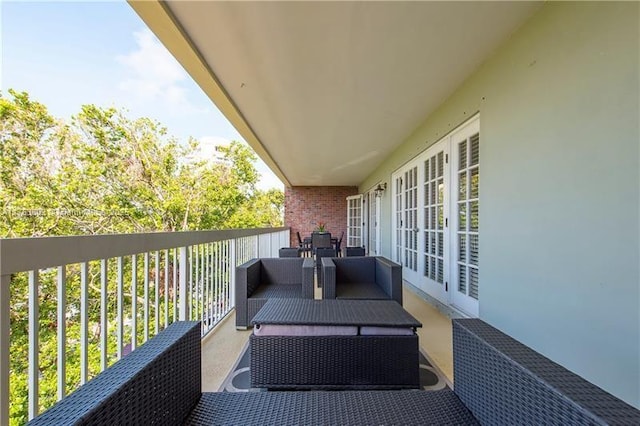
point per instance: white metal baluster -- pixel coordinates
(166, 288)
(257, 253)
(196, 283)
(183, 301)
(216, 281)
(209, 285)
(223, 287)
(84, 322)
(157, 291)
(34, 343)
(221, 281)
(134, 301)
(62, 331)
(175, 284)
(225, 280)
(200, 262)
(220, 298)
(146, 296)
(189, 296)
(212, 296)
(201, 282)
(104, 314)
(120, 296)
(5, 331)
(229, 282)
(233, 261)
(205, 286)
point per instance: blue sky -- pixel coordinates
(66, 54)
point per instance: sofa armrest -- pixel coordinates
(503, 381)
(247, 277)
(389, 278)
(328, 278)
(158, 383)
(307, 279)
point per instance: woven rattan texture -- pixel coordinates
(327, 362)
(335, 312)
(361, 269)
(332, 408)
(320, 253)
(360, 291)
(158, 383)
(354, 251)
(503, 381)
(271, 292)
(281, 270)
(339, 273)
(285, 291)
(260, 279)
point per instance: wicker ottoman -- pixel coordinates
(378, 348)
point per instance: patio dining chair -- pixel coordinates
(338, 244)
(289, 252)
(320, 240)
(303, 245)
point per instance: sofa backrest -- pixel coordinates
(158, 383)
(355, 269)
(281, 270)
(502, 381)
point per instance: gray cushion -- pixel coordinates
(279, 291)
(359, 291)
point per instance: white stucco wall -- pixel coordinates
(559, 187)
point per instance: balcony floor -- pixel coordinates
(222, 347)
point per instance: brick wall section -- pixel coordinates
(305, 206)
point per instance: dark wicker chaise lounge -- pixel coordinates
(497, 380)
(261, 279)
(371, 277)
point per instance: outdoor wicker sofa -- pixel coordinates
(501, 381)
(366, 277)
(261, 279)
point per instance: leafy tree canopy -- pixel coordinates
(106, 173)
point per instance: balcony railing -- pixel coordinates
(101, 296)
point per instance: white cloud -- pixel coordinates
(153, 75)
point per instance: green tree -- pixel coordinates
(102, 172)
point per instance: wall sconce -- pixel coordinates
(380, 189)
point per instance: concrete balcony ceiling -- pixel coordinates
(325, 91)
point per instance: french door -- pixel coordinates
(466, 223)
(354, 221)
(374, 224)
(406, 211)
(435, 208)
(436, 219)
